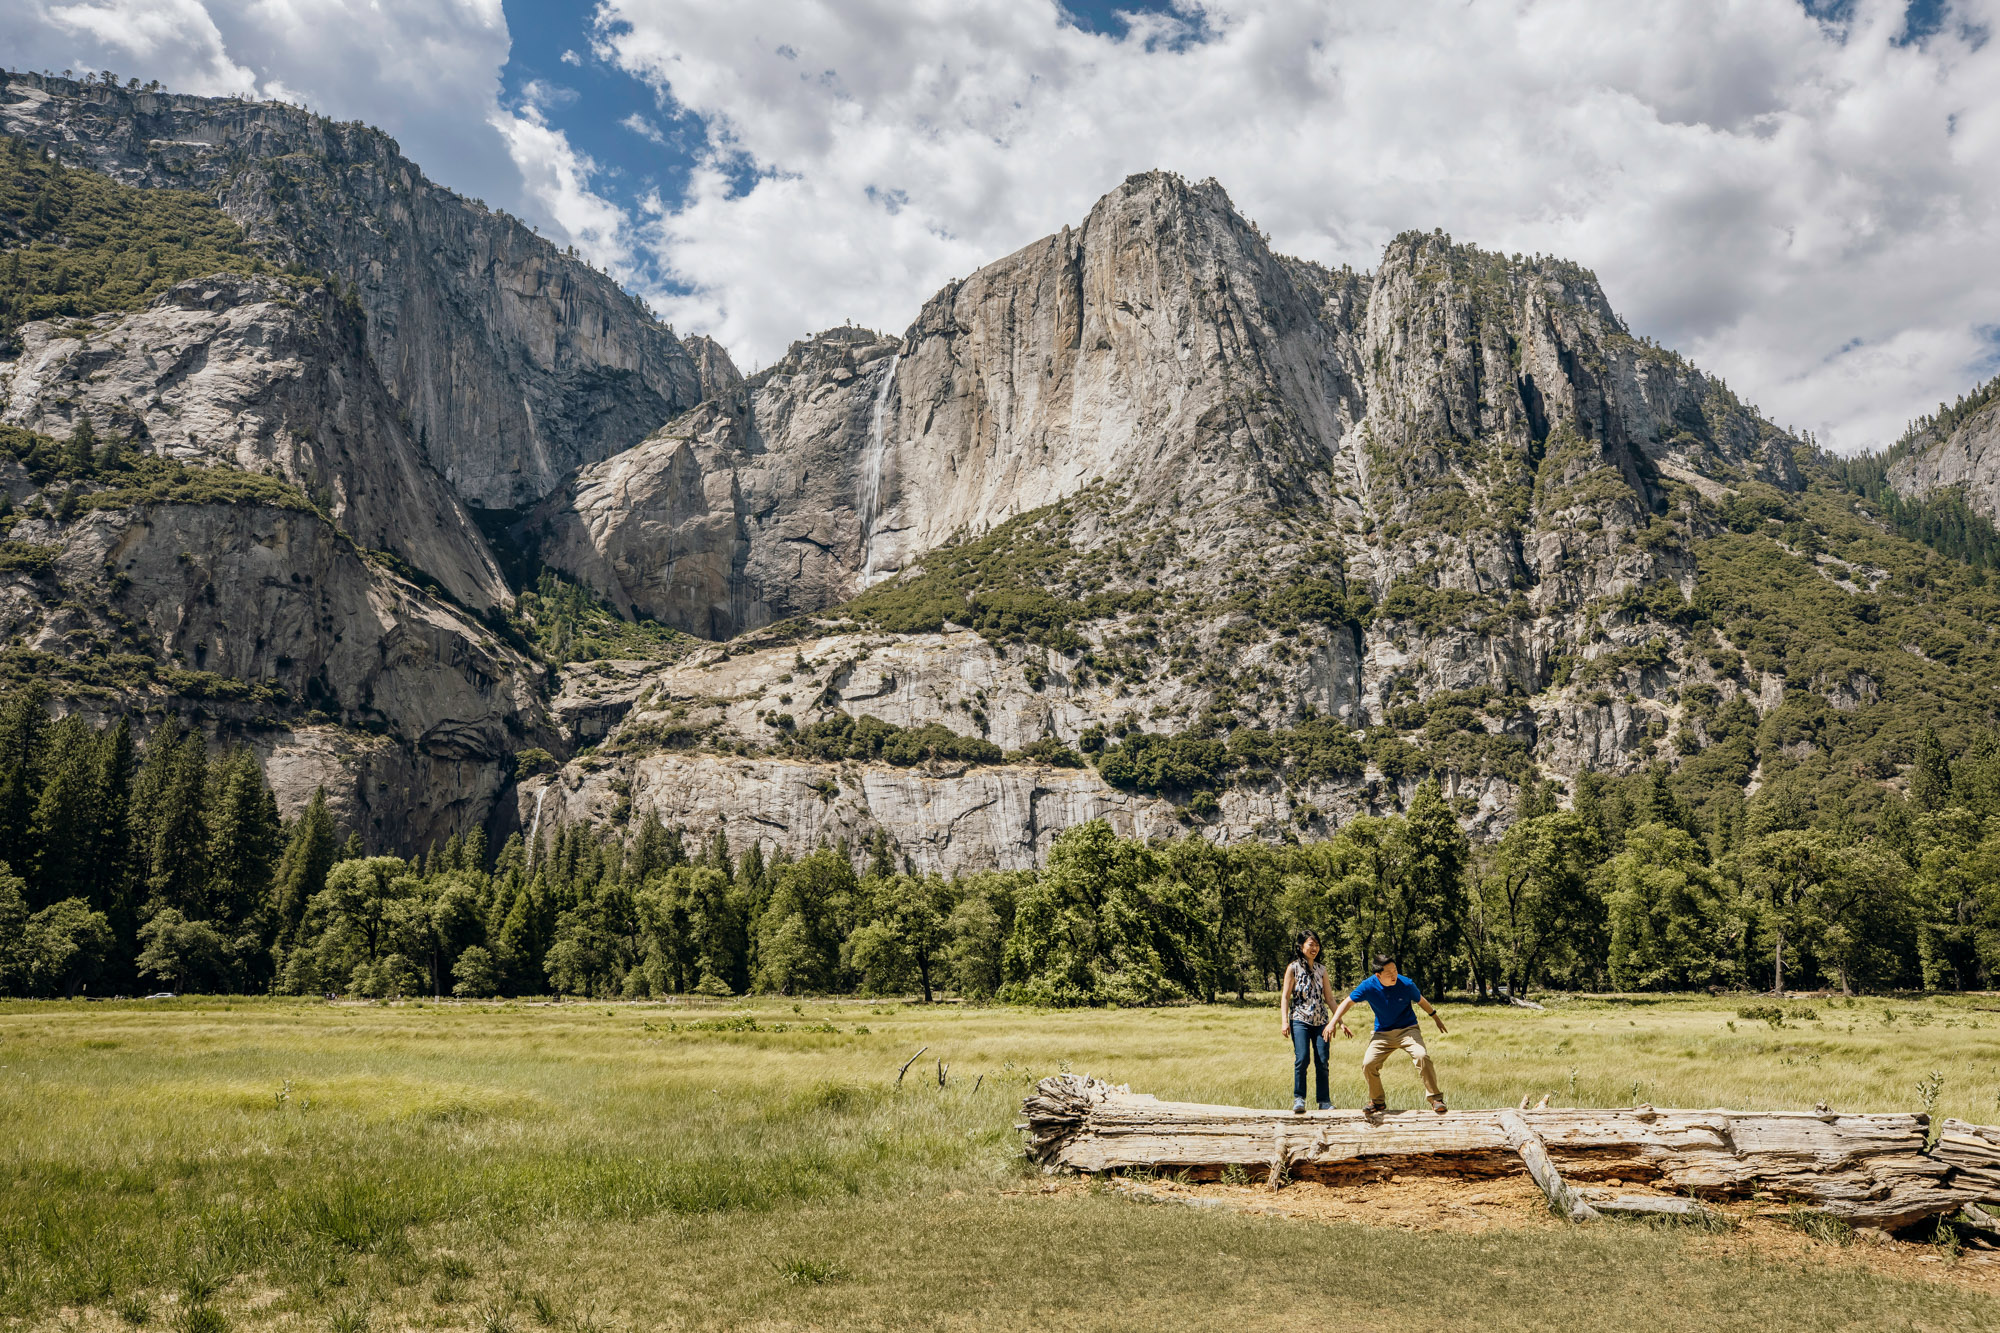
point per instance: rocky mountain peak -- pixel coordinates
(514, 361)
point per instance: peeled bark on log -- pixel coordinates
(1973, 1154)
(1871, 1170)
(1644, 1205)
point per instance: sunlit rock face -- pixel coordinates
(512, 361)
(1966, 456)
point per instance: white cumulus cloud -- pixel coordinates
(1809, 209)
(559, 177)
(644, 128)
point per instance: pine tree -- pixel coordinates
(69, 818)
(1435, 887)
(472, 854)
(149, 783)
(177, 825)
(649, 849)
(881, 859)
(80, 451)
(115, 762)
(1930, 775)
(516, 946)
(513, 858)
(1660, 805)
(23, 746)
(309, 854)
(750, 870)
(243, 851)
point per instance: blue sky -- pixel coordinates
(641, 139)
(1799, 194)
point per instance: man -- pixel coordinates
(1392, 996)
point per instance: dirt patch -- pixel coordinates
(1414, 1203)
(1441, 1203)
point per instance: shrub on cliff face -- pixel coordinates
(1047, 750)
(867, 737)
(533, 760)
(1146, 762)
(77, 242)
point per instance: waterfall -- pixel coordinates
(535, 825)
(872, 463)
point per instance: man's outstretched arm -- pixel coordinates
(1431, 1009)
(1340, 1012)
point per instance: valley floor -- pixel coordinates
(216, 1164)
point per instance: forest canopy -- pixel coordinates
(165, 864)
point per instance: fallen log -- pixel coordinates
(1871, 1170)
(1534, 1154)
(1973, 1154)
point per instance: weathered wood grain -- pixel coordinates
(1869, 1169)
(1973, 1154)
(1534, 1155)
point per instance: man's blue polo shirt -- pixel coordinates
(1392, 1004)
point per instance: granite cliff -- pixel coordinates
(1962, 453)
(1143, 521)
(512, 361)
(1181, 486)
(267, 375)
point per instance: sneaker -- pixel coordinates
(1437, 1104)
(1326, 1106)
(1375, 1108)
(1298, 1106)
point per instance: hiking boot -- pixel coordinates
(1298, 1106)
(1437, 1104)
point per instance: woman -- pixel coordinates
(1305, 1004)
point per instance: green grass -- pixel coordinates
(286, 1164)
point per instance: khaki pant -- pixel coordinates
(1408, 1039)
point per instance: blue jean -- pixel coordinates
(1309, 1043)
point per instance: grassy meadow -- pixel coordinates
(203, 1165)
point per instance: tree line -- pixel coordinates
(166, 866)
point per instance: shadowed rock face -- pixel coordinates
(514, 362)
(267, 375)
(343, 673)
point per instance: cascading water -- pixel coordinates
(535, 824)
(872, 463)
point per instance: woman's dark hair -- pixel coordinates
(1383, 960)
(1299, 948)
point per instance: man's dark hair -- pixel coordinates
(1383, 960)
